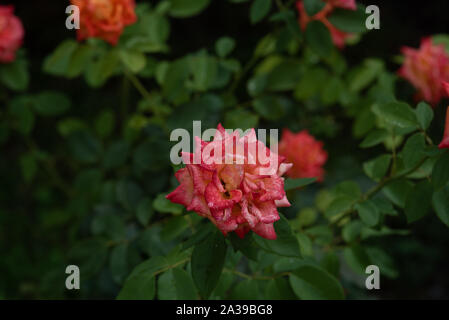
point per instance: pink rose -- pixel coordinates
(11, 34)
(426, 68)
(242, 193)
(305, 153)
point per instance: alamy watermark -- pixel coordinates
(229, 147)
(73, 280)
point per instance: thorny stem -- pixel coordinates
(137, 84)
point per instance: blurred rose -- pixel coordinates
(235, 197)
(104, 19)
(426, 68)
(306, 154)
(11, 34)
(338, 37)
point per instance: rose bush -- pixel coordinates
(86, 129)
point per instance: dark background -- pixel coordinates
(422, 258)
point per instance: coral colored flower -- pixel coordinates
(306, 154)
(104, 19)
(242, 193)
(11, 34)
(426, 68)
(445, 142)
(338, 37)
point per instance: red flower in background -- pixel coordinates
(338, 36)
(104, 19)
(426, 68)
(11, 34)
(306, 154)
(235, 197)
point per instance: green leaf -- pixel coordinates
(84, 146)
(144, 211)
(173, 228)
(22, 114)
(413, 153)
(204, 70)
(187, 8)
(285, 75)
(240, 119)
(79, 59)
(286, 243)
(441, 204)
(51, 103)
(224, 46)
(279, 289)
(424, 114)
(291, 184)
(128, 194)
(398, 114)
(440, 173)
(247, 245)
(246, 290)
(357, 258)
(58, 62)
(258, 10)
(162, 204)
(374, 138)
(199, 236)
(90, 255)
(384, 261)
(207, 263)
(397, 190)
(140, 285)
(118, 263)
(352, 21)
(338, 206)
(270, 107)
(368, 213)
(116, 155)
(319, 38)
(314, 283)
(418, 201)
(174, 81)
(166, 289)
(100, 70)
(133, 60)
(311, 83)
(185, 287)
(365, 74)
(351, 231)
(313, 6)
(105, 123)
(378, 167)
(15, 75)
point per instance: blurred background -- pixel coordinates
(35, 234)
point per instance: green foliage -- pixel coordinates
(208, 258)
(86, 141)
